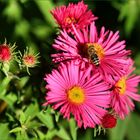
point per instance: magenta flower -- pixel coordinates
(77, 14)
(78, 92)
(124, 90)
(106, 54)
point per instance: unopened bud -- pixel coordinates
(5, 53)
(29, 60)
(108, 121)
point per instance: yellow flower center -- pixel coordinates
(98, 49)
(121, 85)
(70, 20)
(76, 95)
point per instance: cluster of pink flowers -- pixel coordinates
(94, 80)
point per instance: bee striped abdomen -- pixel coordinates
(93, 55)
(94, 58)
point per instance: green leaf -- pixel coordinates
(24, 134)
(88, 135)
(133, 129)
(119, 131)
(22, 118)
(137, 58)
(137, 64)
(10, 117)
(22, 29)
(62, 133)
(57, 115)
(13, 10)
(73, 129)
(129, 11)
(4, 131)
(41, 31)
(32, 110)
(131, 16)
(5, 68)
(34, 124)
(47, 119)
(17, 129)
(23, 81)
(11, 98)
(45, 7)
(19, 136)
(4, 84)
(50, 134)
(40, 135)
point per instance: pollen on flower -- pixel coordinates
(76, 95)
(77, 14)
(70, 20)
(5, 53)
(79, 93)
(120, 86)
(98, 49)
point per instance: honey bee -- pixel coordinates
(93, 55)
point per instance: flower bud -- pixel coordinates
(5, 53)
(29, 60)
(109, 121)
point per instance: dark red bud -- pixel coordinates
(109, 121)
(5, 53)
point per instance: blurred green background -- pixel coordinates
(29, 23)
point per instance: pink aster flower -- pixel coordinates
(77, 14)
(124, 90)
(106, 54)
(81, 93)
